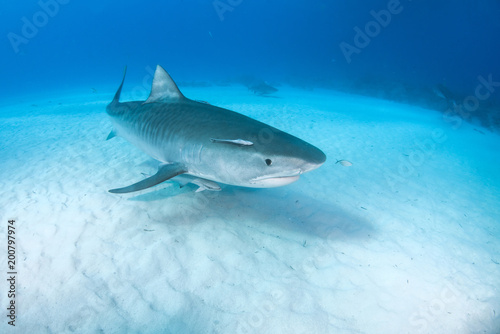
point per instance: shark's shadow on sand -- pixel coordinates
(288, 211)
(285, 214)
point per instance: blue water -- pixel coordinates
(403, 238)
(83, 44)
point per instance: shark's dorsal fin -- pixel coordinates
(164, 88)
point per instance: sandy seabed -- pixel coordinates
(406, 240)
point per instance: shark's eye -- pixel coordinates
(269, 162)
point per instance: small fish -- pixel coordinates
(344, 163)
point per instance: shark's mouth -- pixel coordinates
(273, 181)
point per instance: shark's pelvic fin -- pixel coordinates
(112, 134)
(164, 88)
(165, 172)
(239, 142)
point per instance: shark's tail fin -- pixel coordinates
(116, 99)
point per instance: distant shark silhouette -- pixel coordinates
(207, 144)
(262, 88)
(443, 92)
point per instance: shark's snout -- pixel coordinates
(317, 157)
(313, 159)
(303, 162)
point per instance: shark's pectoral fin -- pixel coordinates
(239, 142)
(165, 172)
(112, 134)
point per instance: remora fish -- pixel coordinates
(207, 143)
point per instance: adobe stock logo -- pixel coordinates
(362, 39)
(222, 7)
(48, 9)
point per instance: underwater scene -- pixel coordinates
(236, 166)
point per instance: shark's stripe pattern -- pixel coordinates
(176, 130)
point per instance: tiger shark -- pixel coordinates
(206, 145)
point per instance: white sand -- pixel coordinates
(407, 240)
